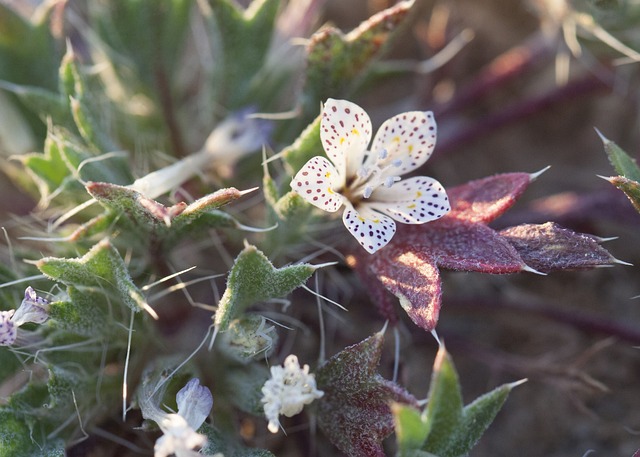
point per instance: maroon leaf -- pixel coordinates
(483, 200)
(354, 412)
(408, 266)
(413, 277)
(461, 245)
(548, 247)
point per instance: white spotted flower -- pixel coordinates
(287, 391)
(368, 182)
(32, 309)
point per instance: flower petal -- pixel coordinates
(412, 201)
(345, 131)
(194, 403)
(316, 181)
(372, 229)
(409, 137)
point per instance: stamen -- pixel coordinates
(367, 191)
(363, 172)
(388, 182)
(397, 163)
(383, 154)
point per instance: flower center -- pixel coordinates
(369, 178)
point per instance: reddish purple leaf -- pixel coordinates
(548, 247)
(483, 200)
(354, 412)
(461, 245)
(413, 277)
(408, 266)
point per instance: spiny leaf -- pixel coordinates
(620, 160)
(462, 241)
(354, 412)
(548, 247)
(630, 187)
(253, 279)
(413, 277)
(101, 268)
(152, 220)
(483, 200)
(336, 63)
(452, 429)
(446, 428)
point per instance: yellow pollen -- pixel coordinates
(361, 219)
(330, 190)
(355, 132)
(410, 149)
(375, 221)
(327, 174)
(342, 140)
(396, 139)
(418, 194)
(411, 206)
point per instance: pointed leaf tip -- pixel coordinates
(532, 270)
(604, 139)
(534, 176)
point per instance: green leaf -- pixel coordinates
(307, 145)
(244, 38)
(85, 313)
(16, 440)
(101, 268)
(162, 225)
(338, 63)
(451, 430)
(355, 412)
(630, 187)
(411, 432)
(620, 160)
(253, 279)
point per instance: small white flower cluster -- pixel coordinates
(32, 309)
(287, 391)
(180, 436)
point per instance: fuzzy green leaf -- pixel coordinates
(451, 430)
(307, 145)
(16, 440)
(244, 38)
(152, 221)
(630, 187)
(101, 268)
(338, 63)
(355, 411)
(254, 279)
(620, 160)
(85, 313)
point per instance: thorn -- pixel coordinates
(322, 265)
(435, 335)
(384, 328)
(534, 176)
(606, 178)
(517, 383)
(604, 139)
(621, 262)
(600, 239)
(247, 228)
(531, 270)
(213, 337)
(245, 192)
